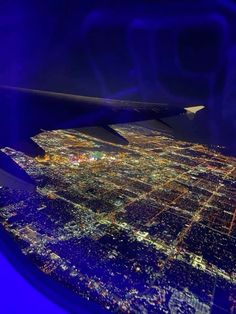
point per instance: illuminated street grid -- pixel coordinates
(144, 228)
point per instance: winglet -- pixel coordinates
(191, 111)
(194, 109)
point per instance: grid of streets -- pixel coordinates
(144, 228)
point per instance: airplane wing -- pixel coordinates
(24, 112)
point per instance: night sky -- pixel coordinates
(179, 53)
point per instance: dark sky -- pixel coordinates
(181, 53)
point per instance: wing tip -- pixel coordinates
(194, 109)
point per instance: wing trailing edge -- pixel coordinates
(15, 183)
(29, 147)
(104, 133)
(156, 125)
(13, 176)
